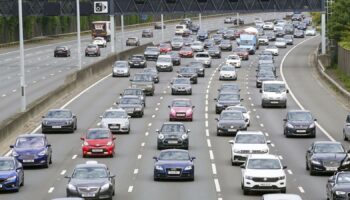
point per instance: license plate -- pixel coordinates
(172, 142)
(116, 127)
(265, 184)
(136, 64)
(28, 161)
(180, 115)
(232, 130)
(88, 195)
(331, 168)
(274, 102)
(56, 126)
(97, 150)
(301, 131)
(173, 172)
(163, 67)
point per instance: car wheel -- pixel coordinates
(245, 191)
(307, 166)
(312, 172)
(22, 183)
(284, 190)
(47, 163)
(344, 136)
(50, 162)
(75, 126)
(155, 179)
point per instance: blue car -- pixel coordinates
(11, 174)
(174, 164)
(32, 150)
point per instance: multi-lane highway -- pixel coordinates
(215, 178)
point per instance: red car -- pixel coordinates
(98, 142)
(164, 47)
(186, 52)
(242, 52)
(181, 109)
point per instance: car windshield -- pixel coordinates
(280, 40)
(173, 128)
(271, 47)
(6, 165)
(177, 40)
(288, 37)
(173, 54)
(228, 68)
(217, 36)
(233, 57)
(150, 70)
(152, 49)
(250, 139)
(30, 142)
(186, 49)
(278, 88)
(174, 155)
(300, 116)
(229, 97)
(142, 77)
(231, 115)
(137, 57)
(164, 45)
(132, 39)
(202, 55)
(115, 114)
(329, 148)
(259, 163)
(214, 48)
(182, 81)
(188, 70)
(265, 57)
(164, 59)
(181, 103)
(98, 38)
(130, 101)
(59, 114)
(121, 65)
(197, 43)
(343, 178)
(97, 134)
(132, 92)
(92, 46)
(90, 173)
(225, 42)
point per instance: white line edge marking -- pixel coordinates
(213, 167)
(51, 190)
(301, 189)
(130, 188)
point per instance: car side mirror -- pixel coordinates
(129, 116)
(130, 79)
(48, 145)
(114, 137)
(268, 142)
(157, 131)
(188, 130)
(12, 146)
(192, 158)
(112, 176)
(43, 116)
(231, 142)
(242, 99)
(81, 138)
(348, 151)
(284, 120)
(74, 116)
(242, 166)
(284, 166)
(217, 119)
(331, 179)
(215, 99)
(155, 158)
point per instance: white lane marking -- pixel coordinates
(292, 94)
(249, 98)
(156, 109)
(160, 97)
(142, 144)
(280, 157)
(206, 102)
(262, 125)
(252, 105)
(254, 110)
(206, 96)
(136, 171)
(153, 116)
(74, 157)
(213, 167)
(164, 91)
(217, 185)
(206, 108)
(139, 156)
(267, 135)
(150, 124)
(98, 124)
(158, 104)
(206, 124)
(130, 188)
(206, 115)
(146, 134)
(3, 95)
(207, 91)
(63, 172)
(257, 116)
(51, 189)
(208, 86)
(207, 132)
(34, 82)
(209, 143)
(289, 171)
(211, 154)
(272, 144)
(301, 189)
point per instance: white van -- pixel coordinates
(180, 29)
(274, 93)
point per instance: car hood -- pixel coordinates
(181, 109)
(329, 156)
(300, 123)
(28, 151)
(232, 122)
(56, 119)
(89, 182)
(232, 102)
(174, 163)
(201, 59)
(164, 63)
(264, 173)
(266, 78)
(141, 82)
(250, 146)
(345, 187)
(114, 120)
(7, 174)
(181, 85)
(151, 53)
(97, 142)
(129, 105)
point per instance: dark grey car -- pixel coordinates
(137, 61)
(225, 45)
(135, 92)
(189, 72)
(346, 129)
(173, 135)
(181, 86)
(151, 53)
(299, 123)
(153, 71)
(143, 81)
(230, 122)
(226, 99)
(175, 57)
(214, 52)
(59, 120)
(199, 66)
(229, 87)
(133, 105)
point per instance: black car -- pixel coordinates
(133, 105)
(214, 52)
(62, 51)
(229, 87)
(270, 35)
(199, 66)
(230, 34)
(175, 57)
(338, 186)
(230, 122)
(208, 43)
(299, 123)
(194, 28)
(137, 61)
(264, 76)
(181, 86)
(325, 157)
(226, 99)
(59, 120)
(91, 180)
(153, 71)
(158, 25)
(173, 135)
(299, 34)
(151, 53)
(202, 35)
(135, 92)
(217, 38)
(225, 45)
(147, 33)
(188, 72)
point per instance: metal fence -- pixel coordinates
(344, 60)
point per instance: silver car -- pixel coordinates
(181, 86)
(346, 129)
(197, 46)
(121, 68)
(117, 120)
(204, 57)
(280, 43)
(164, 63)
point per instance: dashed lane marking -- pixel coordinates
(209, 143)
(217, 185)
(301, 189)
(139, 156)
(136, 171)
(213, 167)
(211, 154)
(289, 171)
(63, 172)
(143, 144)
(207, 132)
(74, 157)
(130, 188)
(51, 190)
(146, 134)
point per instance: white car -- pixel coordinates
(244, 110)
(197, 46)
(263, 172)
(117, 120)
(100, 41)
(228, 72)
(180, 29)
(281, 43)
(278, 28)
(234, 60)
(310, 32)
(268, 26)
(259, 24)
(203, 57)
(246, 143)
(273, 49)
(164, 63)
(121, 68)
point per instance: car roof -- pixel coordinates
(115, 109)
(231, 111)
(250, 132)
(90, 129)
(32, 135)
(277, 82)
(166, 150)
(281, 197)
(263, 156)
(91, 165)
(181, 99)
(180, 123)
(327, 142)
(130, 97)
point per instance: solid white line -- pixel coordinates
(292, 94)
(51, 189)
(209, 143)
(272, 144)
(63, 172)
(142, 144)
(139, 156)
(207, 132)
(289, 171)
(74, 157)
(146, 134)
(213, 167)
(130, 188)
(150, 124)
(217, 185)
(136, 171)
(301, 189)
(211, 155)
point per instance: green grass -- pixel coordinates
(343, 77)
(345, 44)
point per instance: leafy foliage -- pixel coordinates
(339, 22)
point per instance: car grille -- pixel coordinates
(301, 126)
(27, 157)
(331, 163)
(55, 123)
(88, 189)
(2, 180)
(252, 152)
(256, 179)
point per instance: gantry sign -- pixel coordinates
(68, 7)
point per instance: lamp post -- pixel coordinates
(21, 53)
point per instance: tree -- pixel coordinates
(339, 22)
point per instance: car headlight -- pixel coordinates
(105, 187)
(11, 178)
(68, 122)
(219, 105)
(340, 192)
(312, 125)
(265, 150)
(45, 122)
(86, 143)
(138, 109)
(220, 125)
(109, 143)
(290, 125)
(42, 153)
(71, 187)
(346, 163)
(160, 136)
(184, 136)
(316, 162)
(248, 177)
(281, 177)
(188, 167)
(14, 153)
(158, 167)
(237, 151)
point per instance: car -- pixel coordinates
(68, 198)
(197, 46)
(91, 180)
(278, 27)
(240, 21)
(299, 123)
(132, 41)
(154, 72)
(32, 150)
(228, 20)
(273, 49)
(173, 135)
(181, 109)
(214, 52)
(226, 99)
(289, 39)
(270, 35)
(203, 57)
(230, 122)
(244, 111)
(267, 76)
(135, 92)
(324, 157)
(229, 87)
(265, 59)
(121, 68)
(100, 41)
(263, 40)
(173, 164)
(186, 52)
(61, 51)
(133, 105)
(181, 86)
(177, 42)
(175, 57)
(281, 43)
(299, 34)
(194, 28)
(180, 29)
(188, 72)
(217, 38)
(280, 197)
(186, 33)
(98, 142)
(147, 33)
(267, 67)
(225, 45)
(229, 34)
(199, 66)
(289, 29)
(246, 143)
(202, 35)
(222, 30)
(338, 186)
(273, 93)
(268, 26)
(116, 120)
(227, 72)
(12, 174)
(259, 24)
(59, 120)
(234, 60)
(310, 31)
(92, 49)
(164, 48)
(263, 172)
(158, 25)
(346, 129)
(151, 53)
(241, 52)
(302, 26)
(143, 81)
(209, 43)
(137, 60)
(280, 33)
(164, 63)
(188, 41)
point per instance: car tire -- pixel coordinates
(155, 179)
(245, 191)
(307, 166)
(312, 172)
(75, 126)
(22, 184)
(284, 190)
(47, 163)
(344, 136)
(50, 162)
(159, 147)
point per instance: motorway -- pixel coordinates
(215, 178)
